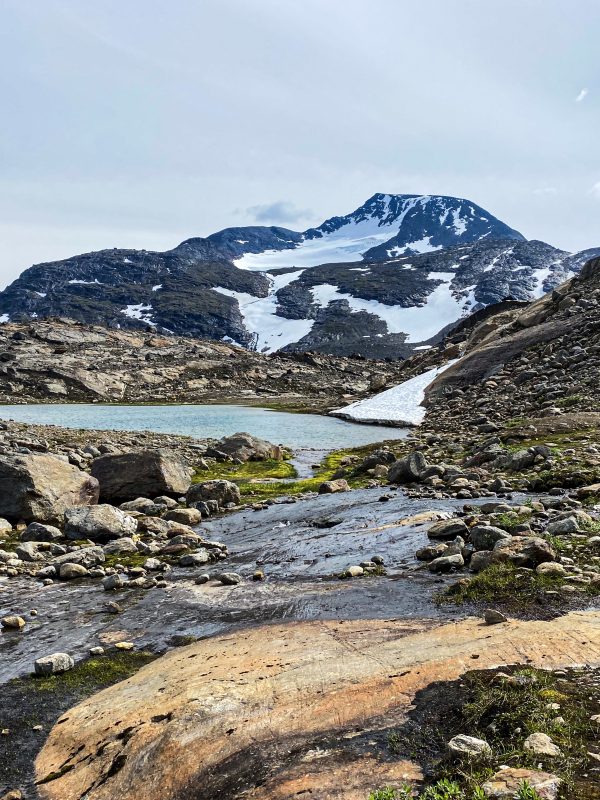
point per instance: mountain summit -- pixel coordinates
(386, 226)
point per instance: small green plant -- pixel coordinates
(478, 794)
(527, 792)
(385, 794)
(443, 790)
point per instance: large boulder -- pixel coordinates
(523, 551)
(98, 523)
(484, 537)
(39, 487)
(448, 529)
(409, 469)
(245, 447)
(144, 472)
(224, 492)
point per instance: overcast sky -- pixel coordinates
(139, 123)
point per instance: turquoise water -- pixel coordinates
(208, 422)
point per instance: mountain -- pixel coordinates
(389, 278)
(387, 225)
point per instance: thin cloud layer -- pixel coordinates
(281, 211)
(582, 95)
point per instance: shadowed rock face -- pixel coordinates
(271, 710)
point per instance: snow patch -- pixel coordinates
(42, 294)
(139, 311)
(419, 322)
(540, 276)
(271, 332)
(85, 283)
(4, 318)
(401, 405)
(157, 287)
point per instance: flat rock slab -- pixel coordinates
(243, 711)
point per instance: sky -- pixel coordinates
(140, 123)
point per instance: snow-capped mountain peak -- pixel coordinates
(386, 226)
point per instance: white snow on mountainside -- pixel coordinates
(400, 405)
(409, 223)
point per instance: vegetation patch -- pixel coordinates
(513, 588)
(502, 707)
(263, 480)
(31, 706)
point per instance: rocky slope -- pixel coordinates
(381, 281)
(58, 360)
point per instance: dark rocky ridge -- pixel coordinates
(177, 292)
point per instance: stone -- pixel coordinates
(12, 623)
(229, 578)
(153, 564)
(99, 523)
(54, 664)
(505, 784)
(493, 617)
(88, 557)
(480, 560)
(124, 545)
(332, 487)
(431, 551)
(194, 559)
(245, 447)
(29, 551)
(540, 744)
(201, 579)
(39, 532)
(550, 568)
(563, 526)
(69, 571)
(448, 529)
(446, 563)
(186, 516)
(523, 551)
(224, 492)
(355, 571)
(484, 537)
(410, 469)
(143, 472)
(39, 487)
(113, 582)
(469, 748)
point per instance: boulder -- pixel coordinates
(379, 458)
(446, 563)
(69, 571)
(469, 748)
(563, 527)
(523, 551)
(224, 492)
(245, 447)
(38, 487)
(195, 559)
(124, 545)
(144, 472)
(431, 551)
(113, 582)
(551, 568)
(409, 469)
(99, 523)
(86, 556)
(448, 529)
(186, 516)
(484, 537)
(229, 578)
(38, 532)
(51, 665)
(12, 623)
(332, 487)
(480, 559)
(505, 784)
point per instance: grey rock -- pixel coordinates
(484, 537)
(53, 664)
(99, 523)
(469, 748)
(224, 492)
(229, 578)
(145, 472)
(446, 563)
(409, 469)
(40, 488)
(448, 529)
(38, 532)
(69, 571)
(493, 617)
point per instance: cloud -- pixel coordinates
(546, 190)
(279, 212)
(595, 190)
(582, 95)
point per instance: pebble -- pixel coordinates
(493, 617)
(13, 623)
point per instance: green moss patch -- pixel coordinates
(502, 707)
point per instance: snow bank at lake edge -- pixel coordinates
(401, 405)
